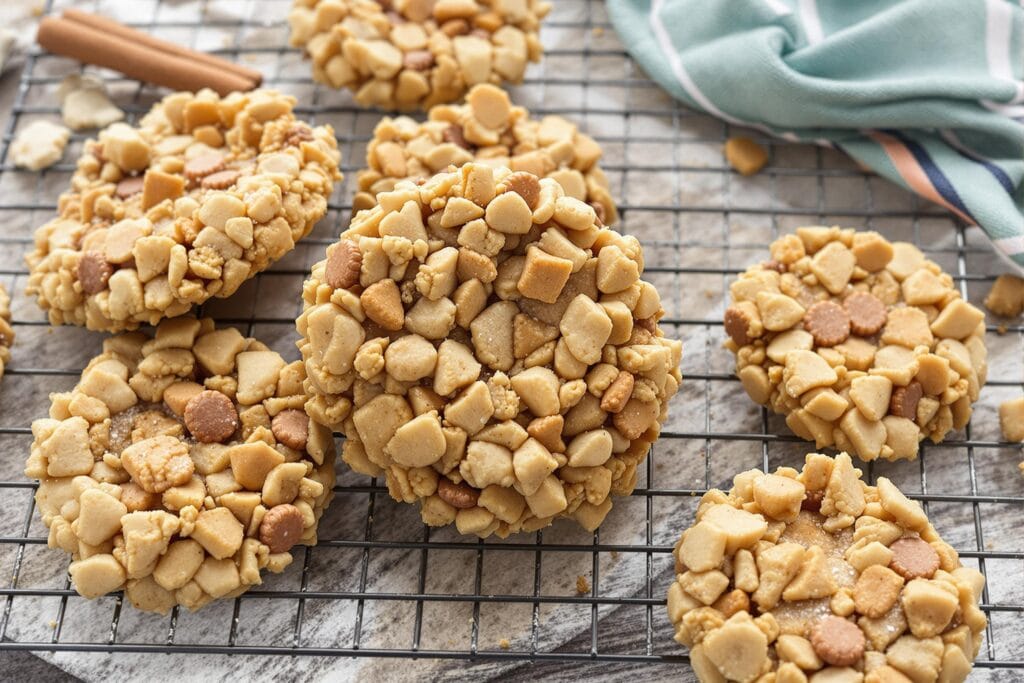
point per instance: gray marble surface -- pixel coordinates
(695, 219)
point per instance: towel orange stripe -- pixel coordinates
(912, 173)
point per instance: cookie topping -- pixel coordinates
(913, 558)
(343, 263)
(281, 527)
(738, 325)
(454, 135)
(460, 496)
(130, 186)
(867, 313)
(418, 60)
(526, 186)
(93, 272)
(210, 417)
(291, 427)
(221, 180)
(204, 165)
(828, 323)
(905, 399)
(837, 641)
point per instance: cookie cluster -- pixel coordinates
(863, 344)
(6, 331)
(181, 466)
(409, 54)
(487, 129)
(815, 574)
(203, 195)
(491, 349)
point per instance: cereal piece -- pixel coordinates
(416, 54)
(39, 145)
(905, 400)
(884, 330)
(837, 641)
(282, 528)
(1006, 298)
(291, 427)
(867, 313)
(819, 579)
(85, 104)
(745, 155)
(828, 323)
(203, 200)
(187, 516)
(506, 324)
(913, 558)
(210, 417)
(343, 265)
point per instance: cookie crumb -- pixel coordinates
(582, 585)
(745, 156)
(1006, 298)
(504, 644)
(1011, 419)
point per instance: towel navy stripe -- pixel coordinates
(942, 184)
(998, 173)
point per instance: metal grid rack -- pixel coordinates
(380, 584)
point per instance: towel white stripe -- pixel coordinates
(1011, 245)
(780, 8)
(998, 40)
(811, 21)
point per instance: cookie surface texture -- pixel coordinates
(864, 345)
(490, 130)
(202, 195)
(500, 365)
(161, 474)
(413, 54)
(815, 574)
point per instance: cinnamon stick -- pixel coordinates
(144, 62)
(112, 27)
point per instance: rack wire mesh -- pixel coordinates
(380, 584)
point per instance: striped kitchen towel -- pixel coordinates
(928, 93)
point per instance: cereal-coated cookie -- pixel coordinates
(487, 129)
(817, 575)
(163, 473)
(6, 331)
(409, 54)
(499, 364)
(202, 195)
(863, 344)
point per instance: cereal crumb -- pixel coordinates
(599, 31)
(1006, 298)
(1011, 419)
(1001, 329)
(582, 585)
(745, 155)
(504, 644)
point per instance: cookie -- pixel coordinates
(498, 365)
(164, 473)
(815, 574)
(864, 345)
(413, 54)
(6, 331)
(487, 129)
(202, 195)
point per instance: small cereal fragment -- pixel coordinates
(1006, 298)
(1011, 419)
(343, 263)
(905, 399)
(382, 303)
(211, 417)
(618, 392)
(291, 427)
(828, 323)
(158, 463)
(221, 180)
(94, 272)
(281, 527)
(837, 641)
(745, 155)
(867, 313)
(913, 558)
(460, 496)
(740, 325)
(526, 185)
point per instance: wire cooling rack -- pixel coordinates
(382, 585)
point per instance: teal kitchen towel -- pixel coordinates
(928, 93)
